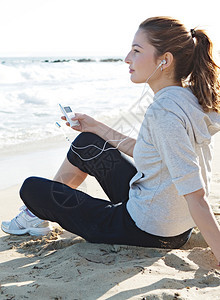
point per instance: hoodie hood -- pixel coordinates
(203, 124)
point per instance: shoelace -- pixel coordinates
(23, 208)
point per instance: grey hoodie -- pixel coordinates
(173, 156)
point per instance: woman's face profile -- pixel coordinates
(141, 58)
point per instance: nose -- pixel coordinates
(127, 58)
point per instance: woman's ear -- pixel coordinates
(168, 60)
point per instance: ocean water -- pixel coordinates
(31, 88)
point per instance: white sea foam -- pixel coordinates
(30, 91)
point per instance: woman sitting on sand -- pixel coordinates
(157, 201)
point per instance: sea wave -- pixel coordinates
(31, 90)
(28, 60)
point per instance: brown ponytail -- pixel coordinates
(204, 79)
(192, 52)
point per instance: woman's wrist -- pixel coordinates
(99, 128)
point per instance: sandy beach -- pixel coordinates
(64, 266)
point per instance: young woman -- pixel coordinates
(157, 201)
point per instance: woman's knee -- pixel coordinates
(83, 148)
(86, 138)
(29, 188)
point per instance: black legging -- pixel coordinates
(96, 220)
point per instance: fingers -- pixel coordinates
(76, 127)
(76, 118)
(64, 119)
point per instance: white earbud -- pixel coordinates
(163, 62)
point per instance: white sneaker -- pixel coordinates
(23, 223)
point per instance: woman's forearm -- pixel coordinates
(205, 220)
(117, 139)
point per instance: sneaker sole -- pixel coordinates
(31, 231)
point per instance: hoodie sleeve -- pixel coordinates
(169, 136)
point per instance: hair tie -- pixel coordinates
(193, 33)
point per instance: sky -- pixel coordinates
(91, 27)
